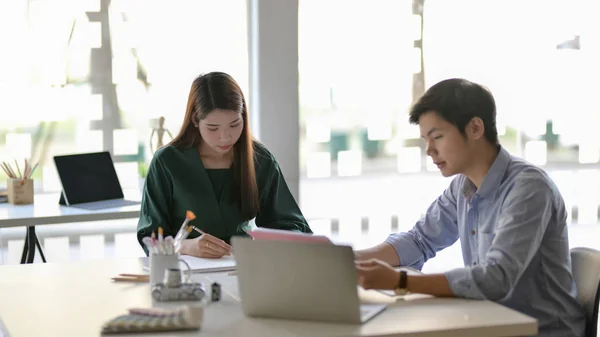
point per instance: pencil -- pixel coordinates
(18, 170)
(131, 278)
(197, 229)
(33, 170)
(6, 170)
(26, 171)
(12, 172)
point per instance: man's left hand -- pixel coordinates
(376, 274)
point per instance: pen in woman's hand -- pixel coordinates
(197, 229)
(201, 231)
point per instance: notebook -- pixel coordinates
(140, 320)
(200, 265)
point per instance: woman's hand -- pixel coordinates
(206, 246)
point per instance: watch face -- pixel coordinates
(400, 291)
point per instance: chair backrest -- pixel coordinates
(586, 272)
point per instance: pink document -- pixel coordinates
(282, 235)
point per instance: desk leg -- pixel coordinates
(31, 241)
(25, 247)
(39, 247)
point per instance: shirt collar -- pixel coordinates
(492, 179)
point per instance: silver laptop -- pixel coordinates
(89, 181)
(303, 281)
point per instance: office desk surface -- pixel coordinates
(46, 210)
(75, 299)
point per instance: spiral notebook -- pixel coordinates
(200, 265)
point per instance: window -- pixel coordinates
(361, 159)
(543, 76)
(82, 89)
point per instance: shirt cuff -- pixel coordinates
(462, 284)
(408, 252)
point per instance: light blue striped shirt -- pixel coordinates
(514, 240)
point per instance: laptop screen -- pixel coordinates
(88, 177)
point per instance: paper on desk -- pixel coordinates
(201, 265)
(3, 331)
(386, 297)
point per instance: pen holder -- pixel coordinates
(159, 264)
(20, 191)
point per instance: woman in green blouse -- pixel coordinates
(215, 169)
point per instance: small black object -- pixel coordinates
(215, 294)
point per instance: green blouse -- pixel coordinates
(177, 181)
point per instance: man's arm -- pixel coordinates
(383, 251)
(435, 284)
(436, 231)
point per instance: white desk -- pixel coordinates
(75, 299)
(46, 211)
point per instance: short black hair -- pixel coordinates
(457, 101)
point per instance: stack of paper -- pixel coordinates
(201, 265)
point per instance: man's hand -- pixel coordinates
(376, 274)
(206, 246)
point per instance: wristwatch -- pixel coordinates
(401, 289)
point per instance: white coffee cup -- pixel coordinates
(160, 263)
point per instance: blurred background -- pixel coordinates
(93, 75)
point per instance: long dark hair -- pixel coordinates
(217, 90)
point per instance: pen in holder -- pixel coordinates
(20, 191)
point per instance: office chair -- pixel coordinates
(586, 272)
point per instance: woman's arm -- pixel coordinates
(156, 202)
(278, 209)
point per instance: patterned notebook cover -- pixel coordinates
(155, 320)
